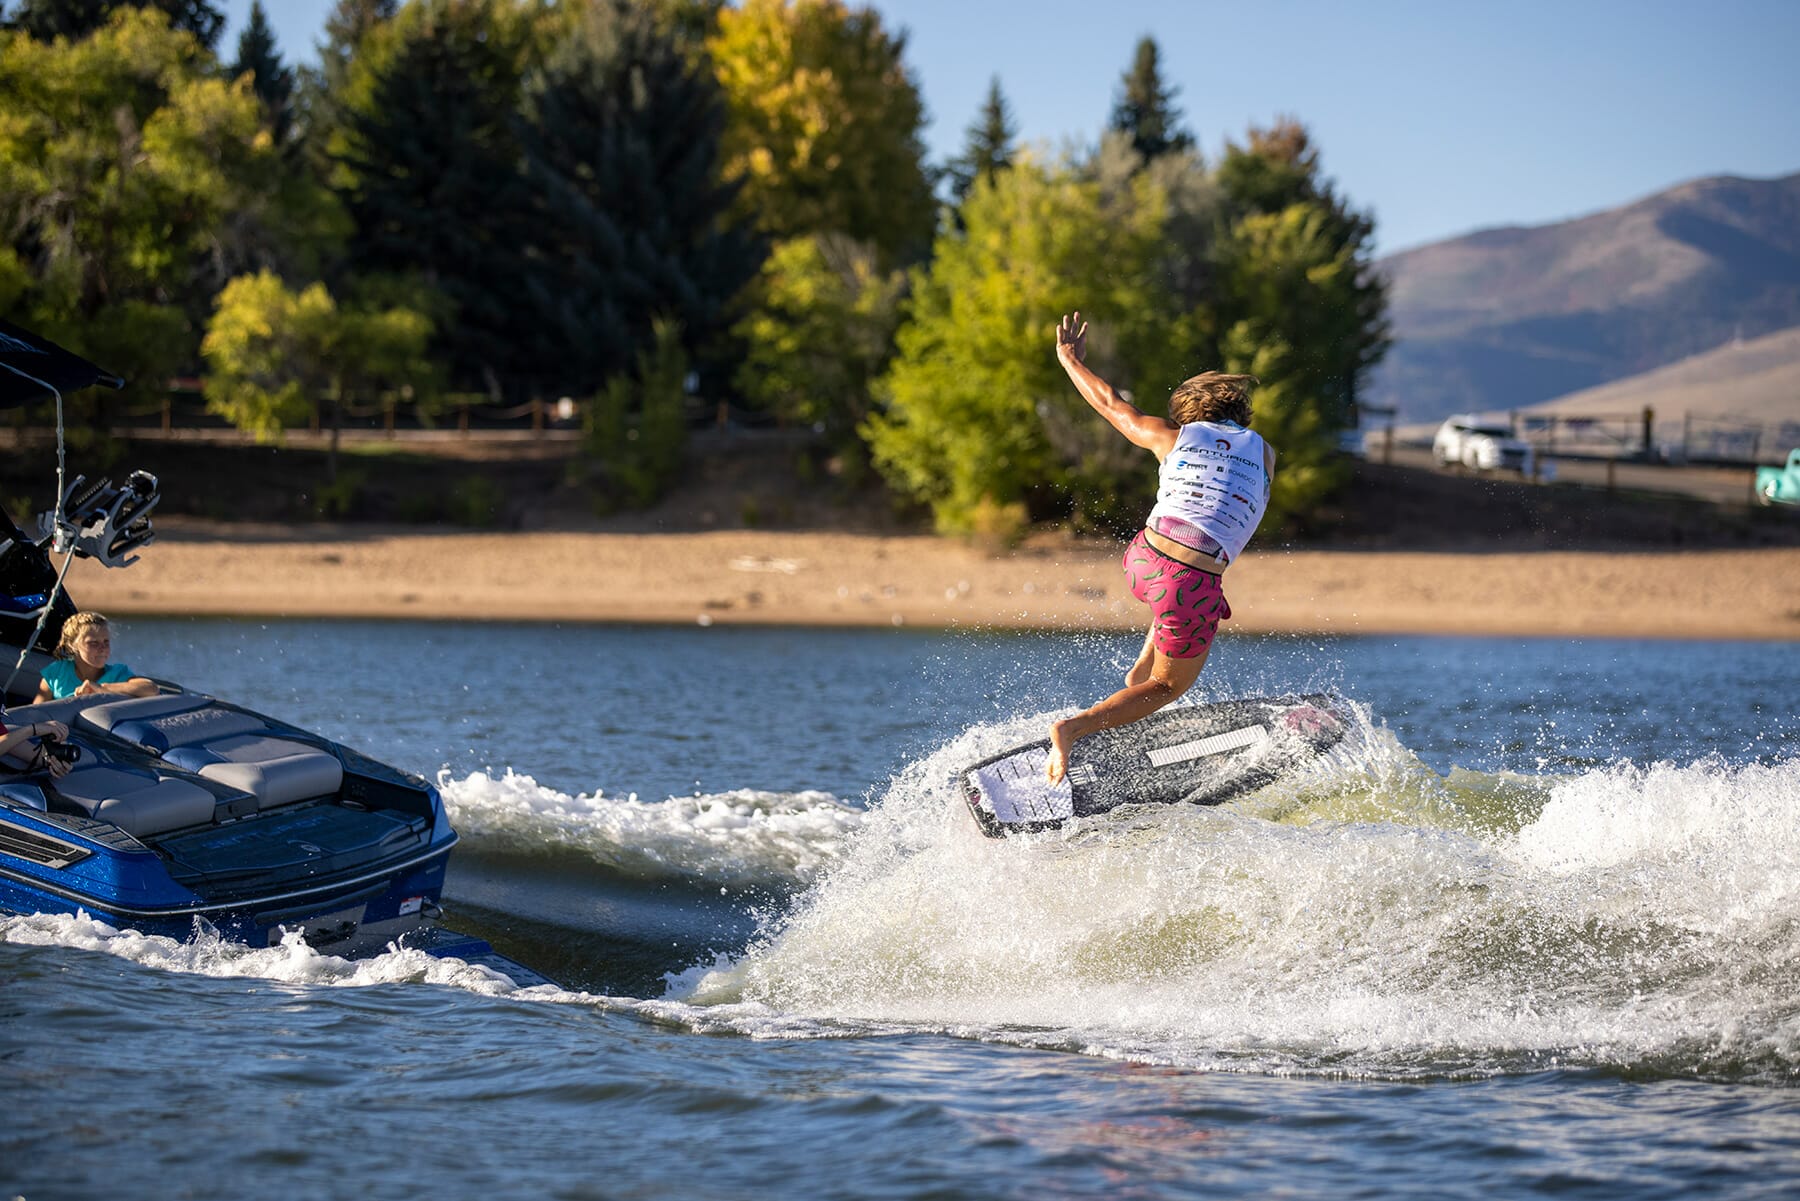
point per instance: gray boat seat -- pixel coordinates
(139, 802)
(236, 749)
(142, 707)
(276, 771)
(158, 723)
(65, 710)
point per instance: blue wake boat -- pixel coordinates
(180, 811)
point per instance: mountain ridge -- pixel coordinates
(1511, 316)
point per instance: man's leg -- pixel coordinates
(1169, 678)
(1140, 671)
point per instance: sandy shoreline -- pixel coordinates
(858, 580)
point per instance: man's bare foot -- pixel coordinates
(1061, 739)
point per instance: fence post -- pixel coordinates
(1649, 425)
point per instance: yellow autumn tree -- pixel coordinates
(823, 135)
(273, 354)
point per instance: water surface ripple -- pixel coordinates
(1533, 932)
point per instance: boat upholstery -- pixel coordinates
(274, 770)
(65, 710)
(236, 749)
(23, 796)
(137, 801)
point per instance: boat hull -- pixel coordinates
(45, 867)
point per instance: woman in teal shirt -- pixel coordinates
(81, 668)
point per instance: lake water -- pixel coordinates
(1533, 931)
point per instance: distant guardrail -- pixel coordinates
(1724, 439)
(1701, 439)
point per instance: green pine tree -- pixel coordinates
(349, 23)
(987, 146)
(426, 161)
(1145, 111)
(273, 81)
(322, 96)
(1298, 266)
(621, 138)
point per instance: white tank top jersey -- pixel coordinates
(1215, 482)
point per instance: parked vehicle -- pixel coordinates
(1481, 444)
(1780, 485)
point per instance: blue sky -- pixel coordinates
(1441, 117)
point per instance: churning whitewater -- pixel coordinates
(1371, 918)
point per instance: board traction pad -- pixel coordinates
(1200, 754)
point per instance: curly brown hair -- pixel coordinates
(1212, 396)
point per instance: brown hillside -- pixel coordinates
(1507, 318)
(1757, 380)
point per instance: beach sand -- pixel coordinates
(818, 578)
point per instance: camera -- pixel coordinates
(62, 752)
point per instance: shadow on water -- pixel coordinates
(591, 930)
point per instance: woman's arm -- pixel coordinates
(1155, 434)
(14, 743)
(135, 686)
(128, 685)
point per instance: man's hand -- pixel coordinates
(1071, 337)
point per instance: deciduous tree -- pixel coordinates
(825, 120)
(76, 19)
(122, 157)
(820, 332)
(1302, 264)
(274, 355)
(635, 429)
(979, 419)
(325, 87)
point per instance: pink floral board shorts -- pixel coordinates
(1186, 604)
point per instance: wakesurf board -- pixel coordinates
(1192, 754)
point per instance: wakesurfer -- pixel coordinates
(1215, 475)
